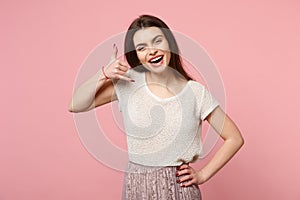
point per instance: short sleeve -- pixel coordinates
(208, 103)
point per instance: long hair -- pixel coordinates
(150, 21)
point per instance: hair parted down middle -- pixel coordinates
(145, 21)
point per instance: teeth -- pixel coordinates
(155, 59)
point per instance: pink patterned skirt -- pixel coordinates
(155, 183)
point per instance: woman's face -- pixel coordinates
(152, 49)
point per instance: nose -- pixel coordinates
(152, 51)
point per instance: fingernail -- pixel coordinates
(183, 185)
(177, 167)
(114, 45)
(177, 174)
(132, 80)
(178, 181)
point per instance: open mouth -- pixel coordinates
(156, 59)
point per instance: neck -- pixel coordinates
(164, 78)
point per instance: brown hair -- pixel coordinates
(149, 21)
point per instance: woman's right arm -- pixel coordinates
(99, 90)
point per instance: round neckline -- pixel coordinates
(168, 98)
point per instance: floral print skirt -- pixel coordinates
(155, 183)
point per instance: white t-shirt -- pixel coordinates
(163, 131)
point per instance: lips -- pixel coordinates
(156, 59)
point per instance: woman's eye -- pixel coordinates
(158, 41)
(140, 48)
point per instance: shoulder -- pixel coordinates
(199, 90)
(196, 83)
(196, 86)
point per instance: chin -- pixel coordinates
(156, 69)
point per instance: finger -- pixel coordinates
(123, 63)
(115, 52)
(185, 178)
(182, 172)
(124, 78)
(122, 68)
(189, 183)
(183, 166)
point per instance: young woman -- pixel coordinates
(162, 109)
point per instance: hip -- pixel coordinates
(155, 182)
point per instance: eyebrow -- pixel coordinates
(151, 40)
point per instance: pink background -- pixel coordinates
(255, 45)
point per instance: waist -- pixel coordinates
(134, 167)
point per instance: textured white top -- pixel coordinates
(163, 131)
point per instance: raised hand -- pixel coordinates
(116, 68)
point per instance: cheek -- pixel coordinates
(141, 57)
(168, 57)
(165, 46)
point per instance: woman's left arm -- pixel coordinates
(233, 141)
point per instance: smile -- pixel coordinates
(156, 59)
